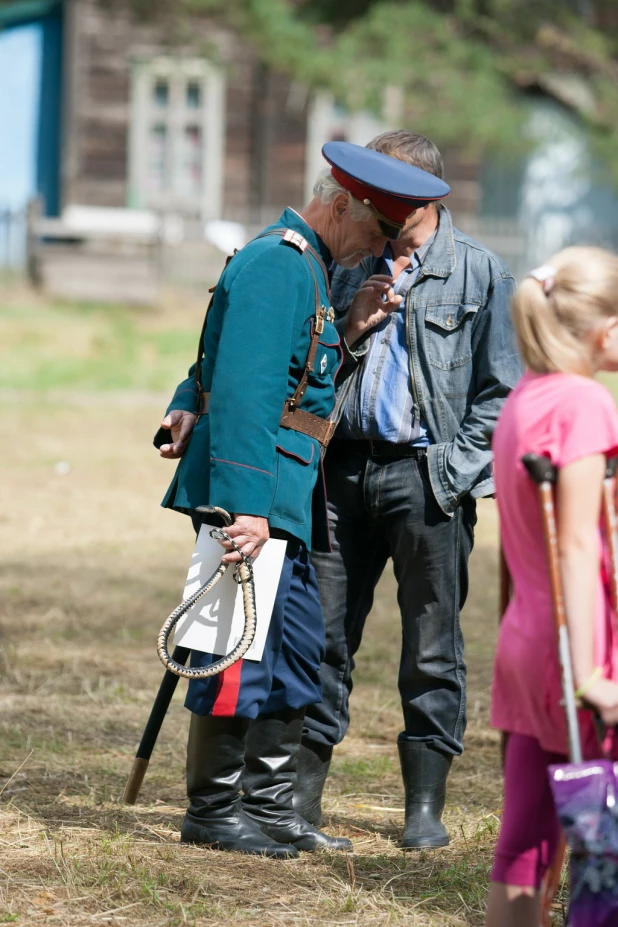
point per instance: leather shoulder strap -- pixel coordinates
(197, 374)
(302, 245)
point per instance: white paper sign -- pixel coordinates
(216, 621)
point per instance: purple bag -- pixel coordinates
(585, 797)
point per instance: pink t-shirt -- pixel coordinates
(564, 417)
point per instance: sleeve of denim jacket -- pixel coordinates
(344, 287)
(351, 355)
(496, 369)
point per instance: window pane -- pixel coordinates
(194, 94)
(160, 92)
(191, 161)
(157, 158)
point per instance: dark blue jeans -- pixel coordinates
(379, 508)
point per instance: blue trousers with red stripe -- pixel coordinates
(288, 674)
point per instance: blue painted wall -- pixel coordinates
(20, 80)
(30, 111)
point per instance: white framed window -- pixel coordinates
(329, 121)
(177, 136)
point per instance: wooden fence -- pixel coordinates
(126, 268)
(13, 240)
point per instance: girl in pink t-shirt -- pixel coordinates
(566, 319)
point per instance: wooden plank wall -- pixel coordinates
(266, 120)
(265, 117)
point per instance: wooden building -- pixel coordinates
(164, 133)
(142, 120)
(128, 115)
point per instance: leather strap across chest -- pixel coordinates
(292, 417)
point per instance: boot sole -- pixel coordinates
(285, 851)
(292, 853)
(339, 847)
(306, 842)
(428, 844)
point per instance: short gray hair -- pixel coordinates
(411, 147)
(326, 188)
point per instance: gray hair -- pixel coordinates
(326, 188)
(411, 147)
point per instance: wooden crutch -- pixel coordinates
(544, 475)
(611, 525)
(552, 877)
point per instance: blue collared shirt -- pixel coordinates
(380, 404)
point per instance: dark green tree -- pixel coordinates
(459, 66)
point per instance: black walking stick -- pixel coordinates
(175, 664)
(153, 726)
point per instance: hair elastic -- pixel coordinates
(596, 674)
(546, 275)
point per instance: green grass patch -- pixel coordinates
(353, 773)
(94, 347)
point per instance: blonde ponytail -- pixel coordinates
(553, 322)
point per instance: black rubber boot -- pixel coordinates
(215, 817)
(271, 758)
(425, 771)
(313, 764)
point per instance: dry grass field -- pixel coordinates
(89, 567)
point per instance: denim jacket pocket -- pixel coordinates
(448, 334)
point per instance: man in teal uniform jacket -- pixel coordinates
(265, 391)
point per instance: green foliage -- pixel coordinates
(458, 64)
(452, 87)
(337, 13)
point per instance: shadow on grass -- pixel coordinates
(79, 676)
(449, 883)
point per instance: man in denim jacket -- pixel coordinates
(417, 404)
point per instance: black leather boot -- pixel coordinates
(271, 759)
(313, 764)
(215, 817)
(425, 771)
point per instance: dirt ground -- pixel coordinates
(89, 568)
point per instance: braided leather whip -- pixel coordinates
(243, 574)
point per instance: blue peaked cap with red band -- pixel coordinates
(390, 187)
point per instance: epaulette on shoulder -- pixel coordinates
(296, 240)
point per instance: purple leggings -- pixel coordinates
(530, 830)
